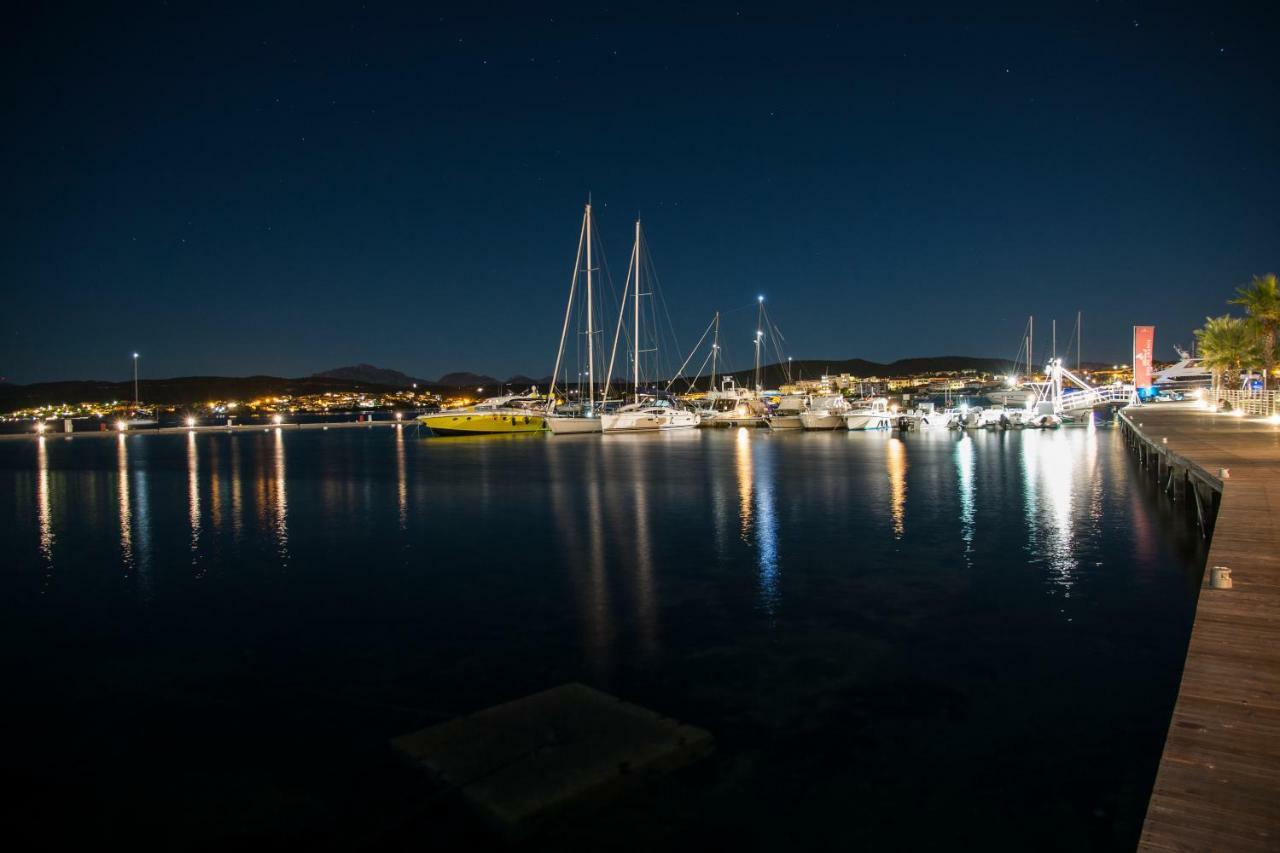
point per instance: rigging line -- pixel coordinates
(573, 281)
(691, 380)
(656, 287)
(690, 356)
(622, 310)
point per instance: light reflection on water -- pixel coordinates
(126, 512)
(964, 472)
(736, 579)
(896, 462)
(43, 506)
(193, 496)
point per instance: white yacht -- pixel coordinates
(825, 412)
(874, 414)
(1188, 372)
(732, 406)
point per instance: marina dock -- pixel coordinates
(58, 433)
(1218, 784)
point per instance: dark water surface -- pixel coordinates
(938, 641)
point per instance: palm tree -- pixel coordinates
(1261, 299)
(1228, 345)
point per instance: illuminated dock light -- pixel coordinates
(121, 426)
(191, 422)
(276, 419)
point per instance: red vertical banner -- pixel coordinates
(1144, 339)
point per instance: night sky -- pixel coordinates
(243, 190)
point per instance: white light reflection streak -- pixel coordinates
(1049, 469)
(766, 529)
(646, 610)
(964, 469)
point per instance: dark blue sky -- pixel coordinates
(245, 190)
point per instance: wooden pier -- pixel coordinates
(1218, 784)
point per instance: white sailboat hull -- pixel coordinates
(648, 421)
(573, 426)
(823, 419)
(785, 422)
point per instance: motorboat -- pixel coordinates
(873, 415)
(731, 406)
(1187, 373)
(506, 414)
(825, 412)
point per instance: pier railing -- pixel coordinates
(1106, 395)
(1262, 403)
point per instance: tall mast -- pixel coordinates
(591, 334)
(568, 311)
(1053, 350)
(136, 401)
(1079, 334)
(759, 335)
(1031, 341)
(715, 352)
(636, 387)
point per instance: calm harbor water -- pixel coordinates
(934, 641)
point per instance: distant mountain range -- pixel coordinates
(366, 377)
(367, 373)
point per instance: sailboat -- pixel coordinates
(646, 412)
(585, 416)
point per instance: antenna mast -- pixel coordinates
(591, 335)
(636, 319)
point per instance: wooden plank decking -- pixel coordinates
(1218, 785)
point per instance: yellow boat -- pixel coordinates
(494, 416)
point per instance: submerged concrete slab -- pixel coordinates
(522, 762)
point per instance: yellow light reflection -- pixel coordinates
(237, 498)
(126, 511)
(193, 495)
(43, 507)
(402, 484)
(280, 503)
(896, 460)
(742, 460)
